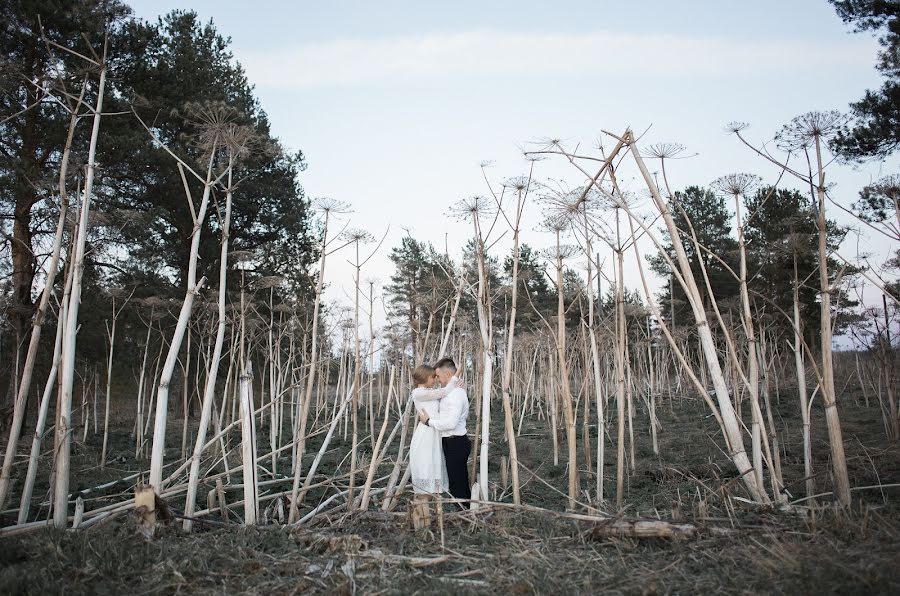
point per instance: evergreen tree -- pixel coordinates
(173, 72)
(711, 222)
(535, 294)
(33, 128)
(420, 287)
(779, 227)
(876, 130)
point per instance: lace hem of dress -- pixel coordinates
(429, 485)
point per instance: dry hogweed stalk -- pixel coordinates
(737, 186)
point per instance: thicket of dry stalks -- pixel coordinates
(294, 382)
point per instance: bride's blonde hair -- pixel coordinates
(423, 374)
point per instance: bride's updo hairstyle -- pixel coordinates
(423, 374)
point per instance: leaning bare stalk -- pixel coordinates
(39, 316)
(193, 287)
(212, 375)
(64, 425)
(730, 422)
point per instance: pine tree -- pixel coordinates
(876, 130)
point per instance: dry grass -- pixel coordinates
(738, 548)
(504, 551)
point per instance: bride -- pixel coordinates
(427, 468)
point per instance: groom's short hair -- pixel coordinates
(446, 364)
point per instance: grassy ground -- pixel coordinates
(739, 548)
(509, 552)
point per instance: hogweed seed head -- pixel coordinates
(329, 205)
(664, 150)
(518, 183)
(358, 235)
(736, 184)
(802, 131)
(735, 127)
(475, 206)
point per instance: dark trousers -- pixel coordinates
(456, 454)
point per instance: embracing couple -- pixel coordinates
(440, 446)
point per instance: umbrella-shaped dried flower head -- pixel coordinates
(664, 150)
(242, 255)
(358, 235)
(739, 184)
(474, 207)
(556, 223)
(115, 291)
(270, 281)
(518, 183)
(561, 252)
(802, 131)
(239, 140)
(329, 205)
(211, 119)
(735, 127)
(572, 203)
(242, 258)
(796, 243)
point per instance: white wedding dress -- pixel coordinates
(427, 468)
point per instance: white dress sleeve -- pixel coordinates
(423, 394)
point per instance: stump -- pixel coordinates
(145, 509)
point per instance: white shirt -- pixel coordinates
(430, 399)
(451, 420)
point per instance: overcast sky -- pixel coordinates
(395, 104)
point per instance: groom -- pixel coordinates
(451, 422)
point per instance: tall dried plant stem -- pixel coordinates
(376, 455)
(209, 392)
(677, 351)
(484, 325)
(64, 421)
(729, 420)
(565, 391)
(620, 355)
(507, 364)
(838, 459)
(357, 364)
(193, 287)
(595, 366)
(111, 335)
(310, 377)
(451, 324)
(52, 379)
(801, 386)
(40, 314)
(248, 447)
(752, 363)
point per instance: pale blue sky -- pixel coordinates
(396, 103)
